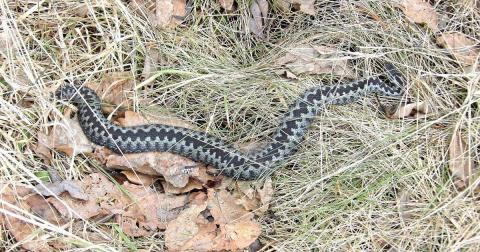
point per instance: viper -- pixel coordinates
(200, 146)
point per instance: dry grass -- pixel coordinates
(359, 182)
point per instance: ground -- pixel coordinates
(362, 180)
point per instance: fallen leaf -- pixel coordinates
(153, 60)
(114, 88)
(283, 5)
(161, 13)
(28, 235)
(66, 137)
(412, 110)
(139, 178)
(212, 223)
(237, 226)
(139, 211)
(173, 167)
(81, 10)
(259, 10)
(465, 49)
(254, 196)
(305, 6)
(135, 119)
(191, 185)
(148, 211)
(58, 187)
(99, 191)
(421, 12)
(227, 5)
(42, 147)
(186, 232)
(170, 13)
(462, 166)
(265, 194)
(315, 60)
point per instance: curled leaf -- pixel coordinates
(412, 110)
(462, 166)
(67, 137)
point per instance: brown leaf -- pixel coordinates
(421, 12)
(81, 10)
(462, 166)
(254, 195)
(139, 212)
(58, 187)
(283, 6)
(162, 13)
(186, 232)
(412, 110)
(173, 167)
(259, 10)
(114, 88)
(170, 13)
(265, 194)
(462, 47)
(315, 60)
(139, 178)
(191, 185)
(27, 234)
(134, 119)
(212, 224)
(227, 5)
(67, 137)
(153, 60)
(305, 6)
(149, 210)
(41, 148)
(237, 226)
(99, 191)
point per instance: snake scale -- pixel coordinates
(200, 146)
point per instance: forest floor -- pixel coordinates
(362, 179)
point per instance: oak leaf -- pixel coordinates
(421, 12)
(465, 49)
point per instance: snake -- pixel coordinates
(211, 150)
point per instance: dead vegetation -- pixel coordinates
(362, 180)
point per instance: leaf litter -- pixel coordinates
(313, 59)
(211, 218)
(420, 12)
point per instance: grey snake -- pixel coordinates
(200, 146)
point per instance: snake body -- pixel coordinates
(200, 146)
